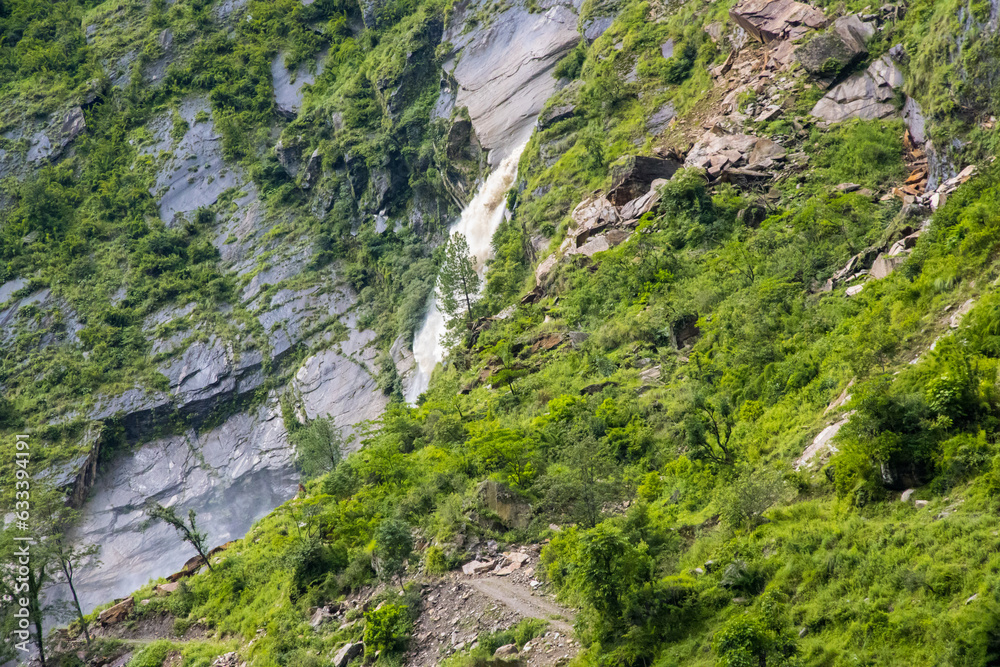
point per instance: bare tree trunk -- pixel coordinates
(67, 570)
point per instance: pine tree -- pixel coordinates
(458, 282)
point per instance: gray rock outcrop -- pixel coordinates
(347, 653)
(867, 95)
(632, 175)
(288, 85)
(49, 144)
(503, 72)
(210, 372)
(341, 383)
(233, 475)
(770, 20)
(842, 45)
(512, 510)
(192, 173)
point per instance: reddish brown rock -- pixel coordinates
(117, 613)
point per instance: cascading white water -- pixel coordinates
(480, 220)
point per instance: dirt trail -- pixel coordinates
(523, 602)
(457, 609)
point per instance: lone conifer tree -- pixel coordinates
(458, 282)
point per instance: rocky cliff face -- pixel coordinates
(210, 436)
(232, 475)
(504, 70)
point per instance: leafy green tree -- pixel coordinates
(505, 450)
(708, 427)
(609, 564)
(393, 546)
(746, 498)
(458, 283)
(888, 441)
(319, 447)
(583, 483)
(188, 531)
(35, 563)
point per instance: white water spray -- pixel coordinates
(480, 220)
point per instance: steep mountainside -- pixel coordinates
(733, 363)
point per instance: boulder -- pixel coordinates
(231, 659)
(959, 315)
(591, 216)
(661, 118)
(593, 246)
(595, 27)
(867, 95)
(512, 510)
(770, 20)
(842, 45)
(725, 147)
(506, 651)
(117, 613)
(765, 149)
(222, 547)
(904, 244)
(167, 589)
(289, 156)
(594, 212)
(555, 114)
(597, 388)
(347, 653)
(312, 171)
(650, 376)
(477, 567)
(192, 565)
(544, 268)
(905, 496)
(319, 617)
(642, 205)
(884, 265)
(632, 175)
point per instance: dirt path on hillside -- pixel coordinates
(457, 609)
(521, 600)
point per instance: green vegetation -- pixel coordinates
(645, 411)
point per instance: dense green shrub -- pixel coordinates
(387, 628)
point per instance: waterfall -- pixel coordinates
(480, 220)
